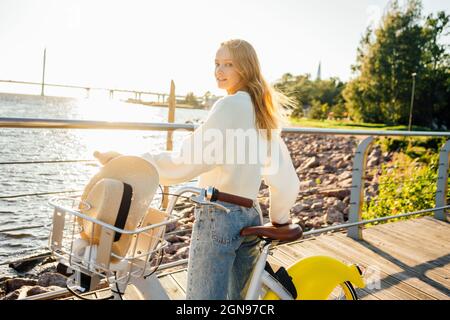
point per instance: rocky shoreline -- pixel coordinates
(324, 166)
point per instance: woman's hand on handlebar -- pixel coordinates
(105, 157)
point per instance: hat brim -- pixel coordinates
(143, 178)
(136, 171)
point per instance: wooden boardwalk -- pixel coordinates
(412, 258)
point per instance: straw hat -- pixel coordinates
(120, 195)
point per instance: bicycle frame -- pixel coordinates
(260, 278)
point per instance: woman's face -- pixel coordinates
(226, 74)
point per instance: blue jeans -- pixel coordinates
(220, 260)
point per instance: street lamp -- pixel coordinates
(412, 99)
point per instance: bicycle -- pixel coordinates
(133, 277)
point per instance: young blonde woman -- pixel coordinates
(220, 260)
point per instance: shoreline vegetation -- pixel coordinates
(17, 97)
(293, 120)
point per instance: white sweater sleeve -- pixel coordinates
(177, 167)
(283, 185)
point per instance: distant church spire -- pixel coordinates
(319, 71)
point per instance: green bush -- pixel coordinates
(410, 188)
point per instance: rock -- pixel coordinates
(181, 206)
(314, 223)
(317, 205)
(263, 186)
(376, 153)
(372, 162)
(172, 226)
(169, 250)
(52, 279)
(38, 290)
(345, 175)
(26, 291)
(348, 157)
(306, 205)
(187, 212)
(374, 157)
(173, 238)
(12, 295)
(346, 211)
(297, 209)
(264, 192)
(182, 253)
(329, 169)
(186, 220)
(342, 164)
(337, 193)
(16, 283)
(339, 205)
(311, 163)
(24, 266)
(333, 216)
(264, 201)
(347, 183)
(173, 248)
(307, 184)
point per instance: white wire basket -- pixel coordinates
(100, 257)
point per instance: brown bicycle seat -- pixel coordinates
(285, 232)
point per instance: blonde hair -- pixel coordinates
(267, 101)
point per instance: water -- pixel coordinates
(63, 144)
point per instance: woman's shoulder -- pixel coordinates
(240, 99)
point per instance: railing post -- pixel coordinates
(169, 141)
(357, 191)
(442, 182)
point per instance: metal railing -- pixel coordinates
(355, 222)
(86, 124)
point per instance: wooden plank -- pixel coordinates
(439, 229)
(401, 290)
(401, 284)
(401, 251)
(297, 255)
(285, 259)
(433, 221)
(103, 293)
(303, 249)
(431, 225)
(426, 248)
(386, 292)
(423, 229)
(436, 252)
(181, 278)
(172, 288)
(410, 277)
(428, 240)
(275, 263)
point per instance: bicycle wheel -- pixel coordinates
(322, 278)
(344, 291)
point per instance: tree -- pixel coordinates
(191, 99)
(314, 98)
(403, 44)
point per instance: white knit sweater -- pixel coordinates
(232, 113)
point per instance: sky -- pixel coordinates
(143, 45)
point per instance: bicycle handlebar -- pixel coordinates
(213, 194)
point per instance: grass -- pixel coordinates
(345, 124)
